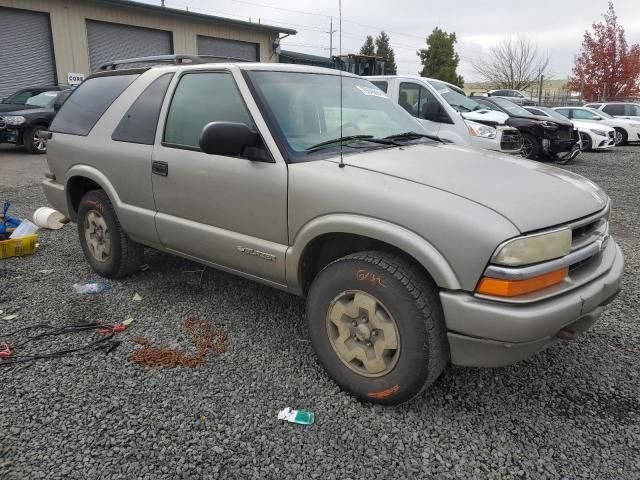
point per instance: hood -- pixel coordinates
(486, 116)
(531, 195)
(16, 109)
(585, 124)
(540, 118)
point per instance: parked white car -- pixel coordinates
(516, 96)
(450, 115)
(626, 130)
(592, 137)
(628, 110)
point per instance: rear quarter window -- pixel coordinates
(88, 102)
(141, 120)
(381, 84)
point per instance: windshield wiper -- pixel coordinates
(411, 135)
(365, 138)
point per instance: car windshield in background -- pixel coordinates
(512, 108)
(453, 98)
(552, 113)
(43, 99)
(600, 112)
(304, 108)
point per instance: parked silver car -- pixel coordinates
(515, 96)
(412, 253)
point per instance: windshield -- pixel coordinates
(304, 108)
(511, 108)
(43, 99)
(456, 100)
(27, 97)
(600, 112)
(552, 113)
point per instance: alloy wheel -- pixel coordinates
(39, 142)
(96, 233)
(527, 148)
(363, 334)
(619, 137)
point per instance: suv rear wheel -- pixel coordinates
(377, 326)
(106, 246)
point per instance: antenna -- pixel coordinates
(340, 66)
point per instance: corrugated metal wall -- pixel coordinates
(228, 48)
(26, 52)
(112, 41)
(70, 43)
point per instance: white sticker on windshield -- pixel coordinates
(374, 91)
(444, 90)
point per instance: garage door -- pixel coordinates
(228, 48)
(112, 41)
(26, 55)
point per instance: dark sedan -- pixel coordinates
(541, 136)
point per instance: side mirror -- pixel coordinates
(227, 138)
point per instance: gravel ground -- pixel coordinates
(569, 412)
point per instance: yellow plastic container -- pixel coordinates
(17, 247)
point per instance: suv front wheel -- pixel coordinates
(106, 246)
(377, 326)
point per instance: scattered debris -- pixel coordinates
(25, 229)
(46, 272)
(144, 267)
(46, 217)
(301, 417)
(10, 317)
(127, 322)
(137, 297)
(204, 337)
(90, 288)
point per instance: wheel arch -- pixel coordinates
(327, 238)
(81, 179)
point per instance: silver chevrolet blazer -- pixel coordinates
(411, 253)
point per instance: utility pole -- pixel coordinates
(331, 32)
(540, 90)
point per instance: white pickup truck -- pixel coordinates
(447, 113)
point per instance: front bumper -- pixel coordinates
(56, 196)
(599, 142)
(10, 135)
(485, 333)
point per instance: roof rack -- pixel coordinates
(173, 59)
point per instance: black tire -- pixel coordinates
(621, 136)
(530, 147)
(410, 297)
(125, 256)
(32, 141)
(585, 142)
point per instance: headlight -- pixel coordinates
(602, 133)
(480, 130)
(14, 120)
(534, 248)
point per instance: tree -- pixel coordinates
(384, 50)
(368, 48)
(607, 66)
(515, 64)
(440, 60)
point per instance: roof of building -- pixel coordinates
(195, 15)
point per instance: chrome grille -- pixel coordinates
(510, 140)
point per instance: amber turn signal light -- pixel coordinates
(512, 288)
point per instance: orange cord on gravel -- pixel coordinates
(204, 337)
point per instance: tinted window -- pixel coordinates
(614, 109)
(382, 85)
(563, 111)
(89, 101)
(583, 115)
(535, 111)
(632, 109)
(201, 98)
(141, 120)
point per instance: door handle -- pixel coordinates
(160, 168)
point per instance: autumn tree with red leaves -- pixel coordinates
(607, 66)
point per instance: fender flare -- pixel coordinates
(406, 240)
(92, 174)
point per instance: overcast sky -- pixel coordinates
(556, 26)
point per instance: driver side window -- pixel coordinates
(201, 98)
(420, 102)
(583, 115)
